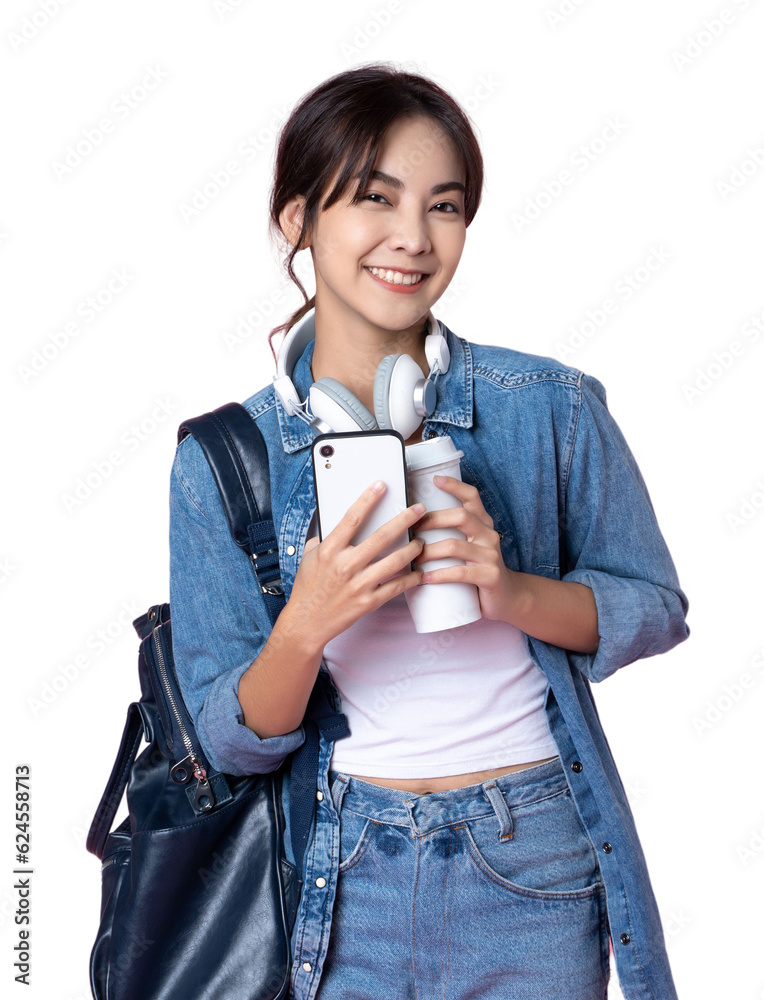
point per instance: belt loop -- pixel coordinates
(494, 795)
(340, 786)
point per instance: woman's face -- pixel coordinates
(412, 219)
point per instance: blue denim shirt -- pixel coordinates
(560, 482)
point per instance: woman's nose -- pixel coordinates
(410, 234)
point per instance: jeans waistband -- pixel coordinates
(426, 812)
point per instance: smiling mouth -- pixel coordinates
(393, 277)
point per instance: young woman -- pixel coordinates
(472, 835)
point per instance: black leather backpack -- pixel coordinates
(197, 897)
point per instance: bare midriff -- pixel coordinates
(423, 786)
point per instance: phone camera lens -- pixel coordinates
(326, 450)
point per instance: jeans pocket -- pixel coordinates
(355, 833)
(549, 856)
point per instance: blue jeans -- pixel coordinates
(490, 891)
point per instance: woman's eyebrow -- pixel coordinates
(394, 182)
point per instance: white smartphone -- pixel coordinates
(346, 464)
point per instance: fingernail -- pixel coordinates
(378, 486)
(419, 508)
(439, 479)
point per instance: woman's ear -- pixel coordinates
(291, 219)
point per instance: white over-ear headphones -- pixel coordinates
(401, 395)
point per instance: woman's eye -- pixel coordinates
(451, 208)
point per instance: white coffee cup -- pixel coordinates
(438, 606)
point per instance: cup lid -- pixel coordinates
(433, 451)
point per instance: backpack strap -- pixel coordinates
(238, 456)
(112, 796)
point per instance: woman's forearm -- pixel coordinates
(557, 611)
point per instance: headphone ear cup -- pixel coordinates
(394, 386)
(382, 381)
(339, 407)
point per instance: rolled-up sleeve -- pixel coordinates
(615, 547)
(219, 620)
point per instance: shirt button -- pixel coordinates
(307, 966)
(320, 882)
(431, 434)
(576, 766)
(291, 550)
(320, 796)
(625, 939)
(607, 847)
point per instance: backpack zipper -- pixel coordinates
(113, 860)
(204, 799)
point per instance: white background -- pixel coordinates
(685, 727)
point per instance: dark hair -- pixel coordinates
(340, 121)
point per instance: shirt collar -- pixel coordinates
(454, 393)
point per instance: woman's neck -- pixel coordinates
(354, 361)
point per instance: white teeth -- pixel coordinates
(397, 277)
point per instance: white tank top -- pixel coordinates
(426, 705)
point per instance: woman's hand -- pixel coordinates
(337, 583)
(498, 586)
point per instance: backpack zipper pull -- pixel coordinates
(204, 799)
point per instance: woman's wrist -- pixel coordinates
(560, 612)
